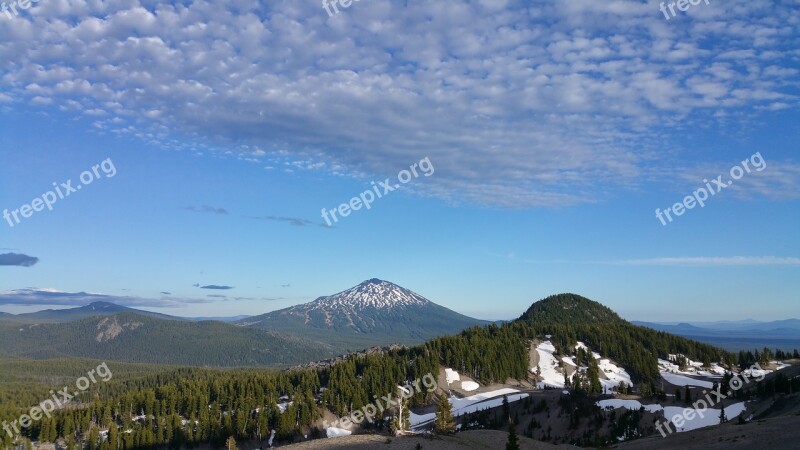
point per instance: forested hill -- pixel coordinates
(569, 318)
(94, 309)
(569, 308)
(143, 339)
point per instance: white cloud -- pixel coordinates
(713, 261)
(517, 104)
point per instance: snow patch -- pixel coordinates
(469, 386)
(451, 375)
(635, 405)
(471, 404)
(680, 380)
(702, 418)
(333, 432)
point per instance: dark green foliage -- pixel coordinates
(142, 339)
(570, 318)
(345, 331)
(444, 424)
(491, 353)
(627, 426)
(513, 441)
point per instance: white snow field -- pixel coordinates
(702, 418)
(471, 404)
(614, 373)
(709, 417)
(681, 380)
(551, 373)
(553, 377)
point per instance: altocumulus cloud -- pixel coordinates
(516, 103)
(207, 209)
(17, 259)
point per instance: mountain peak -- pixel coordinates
(374, 293)
(374, 312)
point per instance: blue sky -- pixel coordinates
(555, 129)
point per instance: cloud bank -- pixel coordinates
(519, 103)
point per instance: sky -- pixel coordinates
(536, 145)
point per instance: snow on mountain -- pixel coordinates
(373, 293)
(469, 405)
(681, 380)
(553, 375)
(375, 312)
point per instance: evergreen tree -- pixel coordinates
(594, 376)
(113, 436)
(445, 424)
(401, 422)
(94, 438)
(230, 444)
(513, 441)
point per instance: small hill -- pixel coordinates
(375, 312)
(569, 318)
(570, 308)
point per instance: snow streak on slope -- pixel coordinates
(552, 376)
(681, 380)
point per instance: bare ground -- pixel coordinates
(483, 439)
(775, 433)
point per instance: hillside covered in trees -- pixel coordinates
(187, 406)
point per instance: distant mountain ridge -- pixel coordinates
(93, 309)
(375, 312)
(737, 335)
(134, 337)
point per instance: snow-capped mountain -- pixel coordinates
(375, 312)
(373, 293)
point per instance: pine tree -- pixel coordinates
(401, 422)
(230, 444)
(445, 424)
(113, 437)
(94, 438)
(594, 376)
(513, 441)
